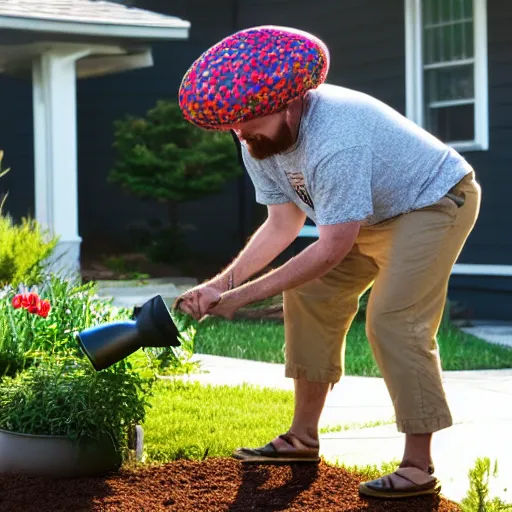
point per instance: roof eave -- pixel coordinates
(181, 31)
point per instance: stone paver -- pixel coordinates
(481, 404)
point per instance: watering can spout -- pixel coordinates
(108, 344)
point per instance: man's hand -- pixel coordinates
(198, 301)
(276, 234)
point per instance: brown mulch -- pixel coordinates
(211, 485)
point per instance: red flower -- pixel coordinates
(17, 301)
(44, 308)
(32, 303)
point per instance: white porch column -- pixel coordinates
(55, 151)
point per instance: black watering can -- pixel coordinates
(108, 344)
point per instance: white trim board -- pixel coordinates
(180, 31)
(462, 269)
(469, 269)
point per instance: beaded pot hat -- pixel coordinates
(250, 74)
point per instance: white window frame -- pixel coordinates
(414, 72)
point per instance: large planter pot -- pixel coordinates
(56, 456)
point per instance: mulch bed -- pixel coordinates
(212, 485)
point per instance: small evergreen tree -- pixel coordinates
(165, 158)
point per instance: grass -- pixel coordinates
(372, 471)
(263, 341)
(330, 429)
(191, 421)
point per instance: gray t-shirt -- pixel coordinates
(356, 159)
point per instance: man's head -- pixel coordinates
(268, 136)
(255, 73)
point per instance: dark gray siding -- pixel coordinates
(353, 30)
(491, 241)
(105, 211)
(17, 141)
(366, 39)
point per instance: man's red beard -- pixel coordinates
(261, 147)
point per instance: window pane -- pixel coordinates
(436, 14)
(432, 45)
(468, 38)
(445, 10)
(447, 84)
(427, 12)
(458, 9)
(468, 8)
(447, 42)
(452, 124)
(428, 43)
(458, 52)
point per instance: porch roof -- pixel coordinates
(90, 18)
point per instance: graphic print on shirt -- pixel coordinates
(298, 184)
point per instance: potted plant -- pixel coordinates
(58, 416)
(61, 418)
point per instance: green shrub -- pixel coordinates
(164, 158)
(23, 250)
(23, 247)
(64, 396)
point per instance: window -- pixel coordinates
(446, 70)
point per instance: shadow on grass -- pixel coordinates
(257, 489)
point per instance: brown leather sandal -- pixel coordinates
(286, 448)
(405, 482)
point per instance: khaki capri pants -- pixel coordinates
(408, 260)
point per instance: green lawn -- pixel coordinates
(263, 341)
(188, 420)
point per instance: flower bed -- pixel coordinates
(50, 395)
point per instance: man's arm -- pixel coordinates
(333, 245)
(279, 230)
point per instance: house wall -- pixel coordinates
(491, 241)
(17, 142)
(352, 29)
(106, 212)
(366, 39)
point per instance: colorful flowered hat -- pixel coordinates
(252, 73)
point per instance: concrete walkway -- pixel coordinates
(496, 332)
(128, 294)
(481, 403)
